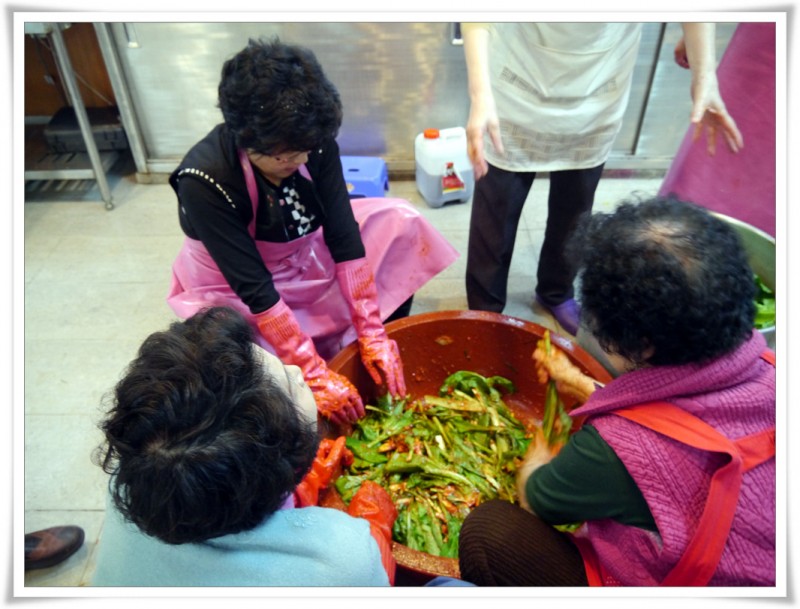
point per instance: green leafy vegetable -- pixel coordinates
(556, 422)
(765, 305)
(438, 457)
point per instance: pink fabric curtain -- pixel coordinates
(739, 185)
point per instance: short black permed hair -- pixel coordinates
(664, 275)
(200, 442)
(275, 98)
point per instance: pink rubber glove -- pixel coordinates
(336, 397)
(379, 353)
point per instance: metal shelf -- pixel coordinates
(69, 166)
(40, 164)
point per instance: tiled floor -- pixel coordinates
(95, 283)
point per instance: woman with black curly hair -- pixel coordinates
(211, 444)
(671, 475)
(271, 230)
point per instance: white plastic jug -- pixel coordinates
(443, 171)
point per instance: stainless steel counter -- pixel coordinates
(395, 79)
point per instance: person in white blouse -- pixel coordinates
(550, 97)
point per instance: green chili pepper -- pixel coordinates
(554, 408)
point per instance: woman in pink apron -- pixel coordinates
(670, 480)
(271, 231)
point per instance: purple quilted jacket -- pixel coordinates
(734, 394)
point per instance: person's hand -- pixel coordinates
(709, 114)
(336, 397)
(381, 358)
(482, 120)
(708, 109)
(331, 456)
(540, 452)
(379, 353)
(558, 367)
(681, 58)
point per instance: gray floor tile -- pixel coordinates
(59, 471)
(66, 376)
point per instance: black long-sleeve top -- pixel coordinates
(215, 208)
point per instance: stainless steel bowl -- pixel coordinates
(760, 248)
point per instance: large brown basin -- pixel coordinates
(435, 345)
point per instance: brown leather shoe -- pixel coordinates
(49, 547)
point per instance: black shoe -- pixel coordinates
(51, 546)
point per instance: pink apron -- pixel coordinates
(403, 249)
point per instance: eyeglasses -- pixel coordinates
(295, 157)
(287, 158)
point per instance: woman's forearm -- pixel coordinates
(700, 47)
(476, 54)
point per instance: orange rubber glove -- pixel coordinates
(379, 353)
(331, 456)
(373, 503)
(336, 397)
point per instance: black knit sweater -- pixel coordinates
(215, 208)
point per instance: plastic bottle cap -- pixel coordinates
(431, 134)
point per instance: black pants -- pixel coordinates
(501, 544)
(404, 310)
(496, 209)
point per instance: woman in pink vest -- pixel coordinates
(670, 479)
(271, 231)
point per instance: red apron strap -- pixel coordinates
(757, 448)
(591, 563)
(702, 555)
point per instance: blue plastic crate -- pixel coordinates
(365, 176)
